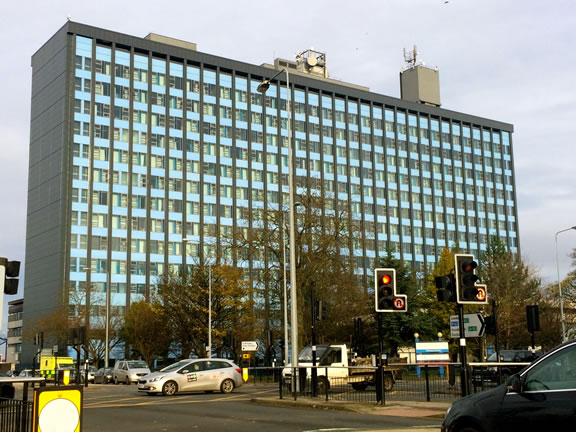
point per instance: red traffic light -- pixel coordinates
(386, 279)
(469, 266)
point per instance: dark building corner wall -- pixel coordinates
(48, 182)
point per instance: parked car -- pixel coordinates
(129, 371)
(103, 376)
(25, 373)
(540, 398)
(91, 372)
(482, 375)
(7, 389)
(193, 375)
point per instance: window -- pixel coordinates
(555, 373)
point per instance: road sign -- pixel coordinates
(481, 296)
(249, 346)
(399, 303)
(474, 326)
(432, 352)
(58, 408)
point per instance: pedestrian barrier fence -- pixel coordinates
(400, 381)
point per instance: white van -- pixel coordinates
(129, 371)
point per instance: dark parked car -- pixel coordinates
(486, 375)
(540, 398)
(103, 376)
(6, 388)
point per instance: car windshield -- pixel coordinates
(306, 353)
(137, 365)
(505, 356)
(175, 366)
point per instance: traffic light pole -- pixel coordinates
(314, 371)
(463, 362)
(380, 392)
(496, 340)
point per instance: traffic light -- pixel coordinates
(385, 292)
(39, 339)
(358, 329)
(532, 318)
(446, 288)
(9, 271)
(320, 309)
(467, 291)
(490, 323)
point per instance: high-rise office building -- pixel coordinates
(145, 153)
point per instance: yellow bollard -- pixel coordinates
(245, 374)
(66, 378)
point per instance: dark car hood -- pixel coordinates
(478, 405)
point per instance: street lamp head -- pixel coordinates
(264, 86)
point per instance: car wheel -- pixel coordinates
(127, 382)
(322, 386)
(170, 388)
(116, 380)
(388, 383)
(359, 386)
(227, 386)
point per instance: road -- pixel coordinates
(121, 408)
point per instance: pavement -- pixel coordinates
(435, 410)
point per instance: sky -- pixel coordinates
(511, 61)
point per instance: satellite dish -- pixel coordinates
(312, 61)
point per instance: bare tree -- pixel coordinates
(325, 263)
(184, 300)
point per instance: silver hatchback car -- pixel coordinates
(193, 375)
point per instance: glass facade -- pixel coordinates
(170, 156)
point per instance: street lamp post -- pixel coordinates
(562, 321)
(209, 347)
(285, 295)
(262, 88)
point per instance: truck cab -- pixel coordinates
(49, 365)
(338, 365)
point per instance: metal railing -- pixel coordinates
(489, 374)
(358, 384)
(401, 381)
(16, 415)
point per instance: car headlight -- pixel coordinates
(158, 378)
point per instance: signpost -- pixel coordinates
(474, 326)
(249, 346)
(432, 352)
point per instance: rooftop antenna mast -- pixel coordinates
(410, 57)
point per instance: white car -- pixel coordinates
(193, 375)
(129, 371)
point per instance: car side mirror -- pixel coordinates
(514, 384)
